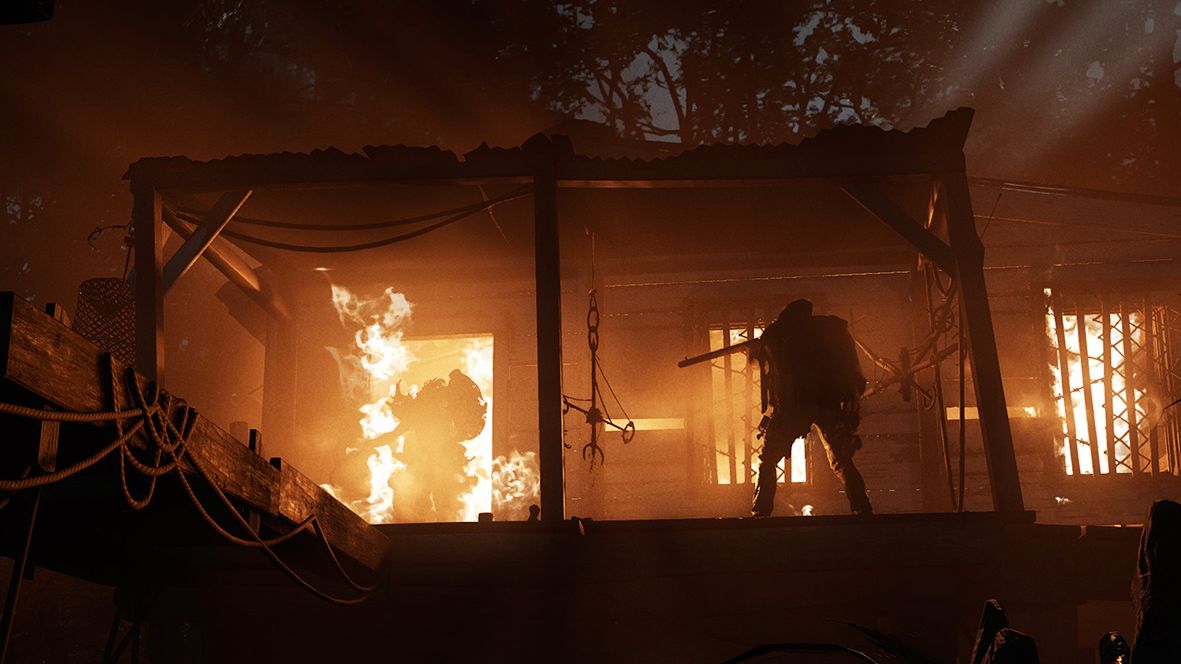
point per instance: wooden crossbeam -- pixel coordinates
(203, 235)
(221, 255)
(148, 280)
(886, 210)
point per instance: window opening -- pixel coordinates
(1113, 368)
(737, 410)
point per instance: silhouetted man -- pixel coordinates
(811, 381)
(436, 422)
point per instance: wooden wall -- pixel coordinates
(653, 317)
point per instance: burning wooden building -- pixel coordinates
(1017, 394)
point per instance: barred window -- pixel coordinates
(1115, 365)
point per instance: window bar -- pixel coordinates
(1150, 359)
(1168, 393)
(728, 387)
(706, 413)
(1168, 337)
(1067, 401)
(1108, 377)
(1129, 387)
(1088, 395)
(748, 426)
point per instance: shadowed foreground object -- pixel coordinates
(1158, 587)
(997, 643)
(1113, 649)
(118, 430)
(16, 12)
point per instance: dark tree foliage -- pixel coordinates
(1067, 91)
(1075, 92)
(748, 72)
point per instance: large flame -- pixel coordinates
(1120, 370)
(382, 466)
(382, 358)
(518, 483)
(383, 355)
(380, 364)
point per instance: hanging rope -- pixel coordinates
(927, 355)
(929, 274)
(924, 355)
(161, 431)
(346, 248)
(333, 228)
(963, 429)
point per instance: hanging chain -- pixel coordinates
(596, 416)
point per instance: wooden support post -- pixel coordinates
(986, 370)
(253, 518)
(279, 376)
(240, 430)
(18, 574)
(45, 462)
(547, 268)
(149, 281)
(255, 443)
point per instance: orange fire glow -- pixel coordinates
(382, 358)
(518, 483)
(1094, 331)
(477, 364)
(383, 362)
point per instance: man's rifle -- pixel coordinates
(714, 354)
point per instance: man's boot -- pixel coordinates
(764, 500)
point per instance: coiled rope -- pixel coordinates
(155, 433)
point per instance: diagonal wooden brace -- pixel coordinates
(203, 235)
(893, 216)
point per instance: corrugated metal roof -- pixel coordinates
(842, 150)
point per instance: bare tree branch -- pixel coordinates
(671, 87)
